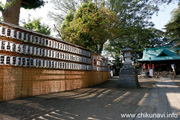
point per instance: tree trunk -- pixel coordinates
(11, 13)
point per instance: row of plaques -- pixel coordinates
(26, 37)
(100, 63)
(39, 63)
(102, 69)
(35, 51)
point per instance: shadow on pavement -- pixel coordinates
(101, 102)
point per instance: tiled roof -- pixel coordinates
(160, 54)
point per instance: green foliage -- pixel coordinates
(134, 30)
(32, 4)
(69, 17)
(90, 27)
(37, 26)
(1, 19)
(27, 4)
(61, 9)
(173, 27)
(142, 38)
(8, 4)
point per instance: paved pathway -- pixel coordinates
(101, 102)
(163, 102)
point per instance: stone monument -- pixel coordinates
(128, 75)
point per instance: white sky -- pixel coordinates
(159, 20)
(164, 15)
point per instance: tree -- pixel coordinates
(90, 26)
(37, 26)
(62, 7)
(173, 27)
(143, 38)
(134, 16)
(11, 10)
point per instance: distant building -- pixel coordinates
(161, 59)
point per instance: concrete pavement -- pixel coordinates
(163, 102)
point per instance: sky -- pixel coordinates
(164, 15)
(160, 19)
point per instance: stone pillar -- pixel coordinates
(128, 76)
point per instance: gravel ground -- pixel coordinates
(101, 102)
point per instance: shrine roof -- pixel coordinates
(160, 54)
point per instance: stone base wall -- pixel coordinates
(16, 82)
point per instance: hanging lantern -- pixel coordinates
(42, 41)
(34, 62)
(7, 46)
(23, 61)
(18, 61)
(49, 63)
(2, 31)
(13, 47)
(2, 45)
(66, 47)
(27, 62)
(31, 48)
(58, 55)
(45, 53)
(13, 60)
(31, 37)
(55, 64)
(52, 53)
(2, 61)
(24, 37)
(18, 48)
(27, 49)
(37, 41)
(37, 63)
(60, 46)
(28, 37)
(14, 34)
(21, 48)
(24, 49)
(63, 47)
(31, 62)
(42, 63)
(42, 52)
(57, 45)
(49, 43)
(19, 35)
(54, 44)
(8, 32)
(46, 43)
(38, 51)
(34, 51)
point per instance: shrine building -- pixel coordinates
(161, 60)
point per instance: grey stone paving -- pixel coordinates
(163, 102)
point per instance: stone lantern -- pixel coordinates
(128, 75)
